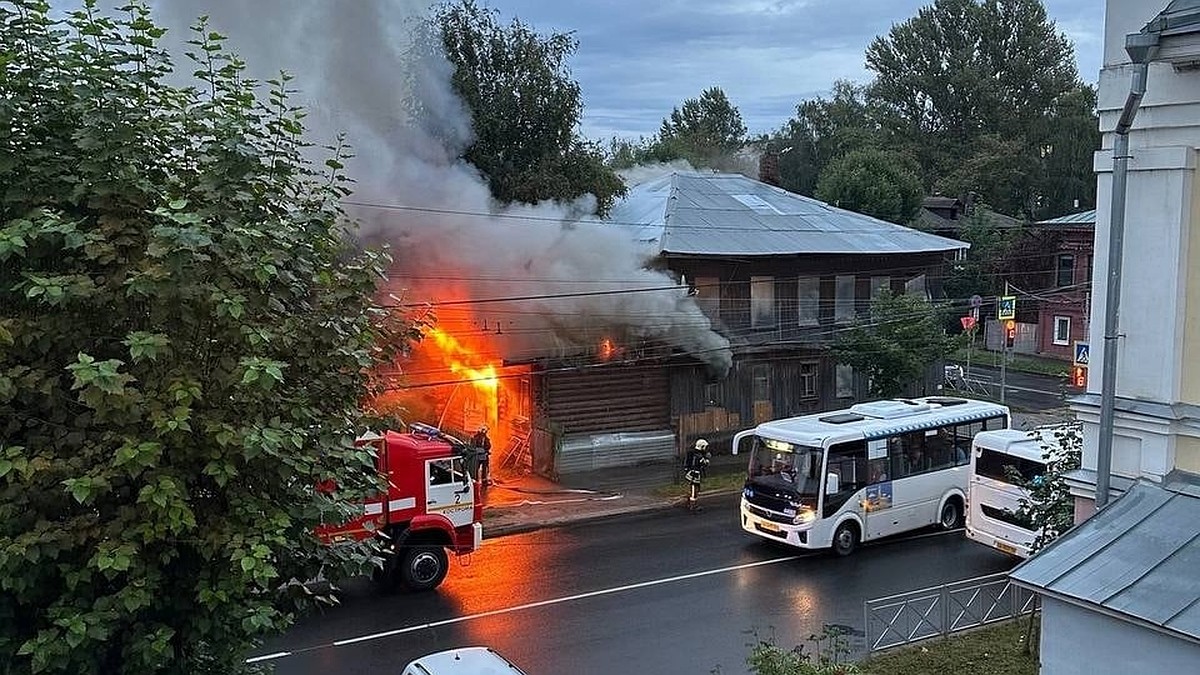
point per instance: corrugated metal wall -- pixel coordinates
(608, 399)
(589, 452)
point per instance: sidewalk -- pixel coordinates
(527, 502)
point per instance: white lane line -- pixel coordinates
(268, 657)
(529, 605)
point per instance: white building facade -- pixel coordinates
(1157, 409)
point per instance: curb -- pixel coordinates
(498, 531)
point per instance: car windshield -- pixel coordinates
(778, 464)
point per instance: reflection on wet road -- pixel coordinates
(657, 593)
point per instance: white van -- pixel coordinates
(463, 661)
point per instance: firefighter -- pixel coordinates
(695, 465)
(483, 454)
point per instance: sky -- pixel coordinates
(637, 60)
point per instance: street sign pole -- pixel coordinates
(1003, 369)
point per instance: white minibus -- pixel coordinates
(835, 479)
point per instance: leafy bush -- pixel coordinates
(185, 336)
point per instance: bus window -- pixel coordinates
(909, 451)
(963, 433)
(992, 464)
(849, 462)
(939, 447)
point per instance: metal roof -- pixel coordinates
(1179, 17)
(721, 214)
(1136, 559)
(878, 419)
(1081, 218)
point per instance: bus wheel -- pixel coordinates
(951, 515)
(845, 538)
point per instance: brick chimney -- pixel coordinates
(768, 168)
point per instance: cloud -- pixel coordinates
(637, 61)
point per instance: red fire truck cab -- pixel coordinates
(430, 507)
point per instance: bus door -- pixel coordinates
(882, 515)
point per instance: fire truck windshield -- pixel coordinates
(778, 464)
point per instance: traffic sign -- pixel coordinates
(1007, 308)
(1081, 353)
(968, 322)
(976, 302)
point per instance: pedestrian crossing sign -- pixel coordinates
(1007, 308)
(1081, 353)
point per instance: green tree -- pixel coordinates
(1049, 508)
(822, 131)
(705, 131)
(896, 344)
(185, 336)
(964, 80)
(877, 183)
(525, 109)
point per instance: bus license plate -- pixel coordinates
(768, 526)
(1011, 550)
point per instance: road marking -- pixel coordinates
(529, 605)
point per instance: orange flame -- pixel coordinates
(458, 358)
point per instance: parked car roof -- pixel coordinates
(463, 661)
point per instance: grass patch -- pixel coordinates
(1018, 362)
(998, 649)
(724, 480)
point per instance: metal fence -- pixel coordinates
(941, 610)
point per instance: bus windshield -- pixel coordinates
(779, 464)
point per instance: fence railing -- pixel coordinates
(941, 610)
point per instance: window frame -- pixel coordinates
(1066, 339)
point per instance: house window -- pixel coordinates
(808, 380)
(843, 299)
(844, 376)
(879, 285)
(762, 302)
(1066, 270)
(1062, 330)
(708, 296)
(916, 286)
(1088, 278)
(809, 299)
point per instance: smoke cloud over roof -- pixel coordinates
(545, 280)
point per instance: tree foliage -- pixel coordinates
(976, 86)
(896, 344)
(525, 109)
(704, 131)
(1049, 509)
(877, 183)
(185, 336)
(822, 131)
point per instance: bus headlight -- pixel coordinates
(804, 517)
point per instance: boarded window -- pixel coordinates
(762, 302)
(708, 296)
(844, 376)
(843, 299)
(809, 300)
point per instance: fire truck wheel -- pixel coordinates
(422, 568)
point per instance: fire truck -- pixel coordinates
(430, 507)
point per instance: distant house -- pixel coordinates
(779, 275)
(946, 216)
(1064, 301)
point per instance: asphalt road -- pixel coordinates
(1025, 391)
(659, 592)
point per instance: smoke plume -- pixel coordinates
(537, 279)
